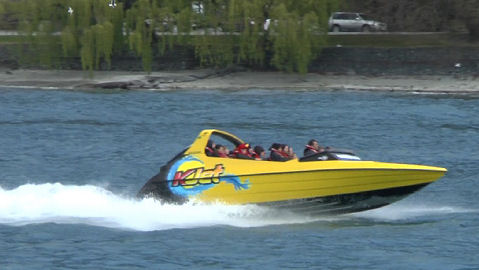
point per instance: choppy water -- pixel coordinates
(72, 162)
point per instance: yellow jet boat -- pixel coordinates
(329, 182)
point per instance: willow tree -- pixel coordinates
(248, 18)
(90, 29)
(93, 30)
(142, 22)
(38, 21)
(213, 45)
(285, 34)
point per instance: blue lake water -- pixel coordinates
(72, 162)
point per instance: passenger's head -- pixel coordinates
(260, 151)
(244, 148)
(313, 143)
(290, 151)
(285, 148)
(275, 146)
(221, 149)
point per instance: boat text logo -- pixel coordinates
(188, 176)
(197, 176)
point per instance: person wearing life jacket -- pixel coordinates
(259, 153)
(312, 148)
(221, 151)
(288, 152)
(243, 151)
(276, 153)
(210, 148)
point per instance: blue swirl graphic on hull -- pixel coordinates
(233, 179)
(191, 182)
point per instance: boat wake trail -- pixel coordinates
(92, 205)
(404, 212)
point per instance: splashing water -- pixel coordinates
(92, 205)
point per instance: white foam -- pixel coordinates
(407, 211)
(92, 205)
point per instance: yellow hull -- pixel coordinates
(317, 183)
(341, 183)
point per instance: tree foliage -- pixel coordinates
(427, 16)
(221, 32)
(89, 29)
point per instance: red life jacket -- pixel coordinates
(284, 154)
(277, 151)
(312, 148)
(280, 154)
(238, 152)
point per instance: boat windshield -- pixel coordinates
(223, 139)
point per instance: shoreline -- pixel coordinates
(235, 80)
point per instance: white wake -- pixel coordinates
(92, 205)
(404, 211)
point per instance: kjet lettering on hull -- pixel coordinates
(197, 176)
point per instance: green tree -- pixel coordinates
(87, 28)
(222, 32)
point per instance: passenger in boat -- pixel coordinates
(288, 152)
(221, 151)
(276, 153)
(312, 148)
(210, 148)
(259, 153)
(243, 151)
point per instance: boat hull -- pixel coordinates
(345, 203)
(310, 184)
(260, 188)
(328, 187)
